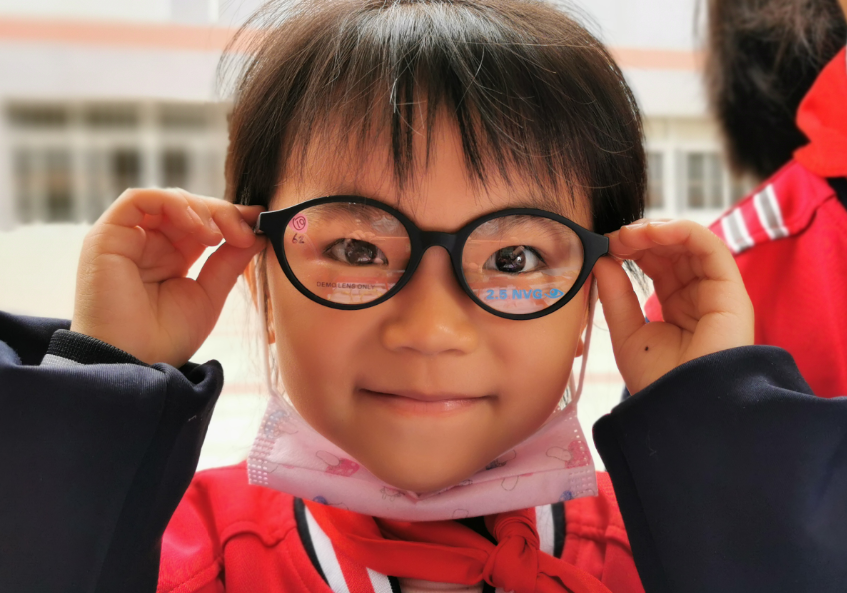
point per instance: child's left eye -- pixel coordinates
(514, 260)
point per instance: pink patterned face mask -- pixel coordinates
(554, 464)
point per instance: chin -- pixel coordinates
(423, 477)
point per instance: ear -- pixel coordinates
(591, 296)
(255, 283)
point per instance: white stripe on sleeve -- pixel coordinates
(546, 529)
(379, 582)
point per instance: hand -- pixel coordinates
(704, 303)
(132, 291)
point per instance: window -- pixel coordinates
(183, 117)
(655, 180)
(44, 184)
(175, 168)
(704, 181)
(70, 161)
(740, 187)
(38, 116)
(57, 188)
(112, 116)
(26, 180)
(125, 169)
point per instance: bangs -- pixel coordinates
(528, 91)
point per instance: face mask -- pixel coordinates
(554, 464)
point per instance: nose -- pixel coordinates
(432, 315)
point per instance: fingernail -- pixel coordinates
(214, 226)
(637, 224)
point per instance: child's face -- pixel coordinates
(426, 388)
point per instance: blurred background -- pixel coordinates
(100, 95)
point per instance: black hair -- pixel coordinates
(762, 58)
(529, 90)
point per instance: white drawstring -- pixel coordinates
(592, 306)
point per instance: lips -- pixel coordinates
(424, 403)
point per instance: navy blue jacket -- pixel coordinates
(730, 475)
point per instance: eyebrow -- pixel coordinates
(351, 211)
(562, 202)
(558, 204)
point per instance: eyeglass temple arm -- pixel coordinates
(257, 230)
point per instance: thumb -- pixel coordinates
(620, 304)
(222, 269)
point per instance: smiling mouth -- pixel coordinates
(424, 403)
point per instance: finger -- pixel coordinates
(135, 206)
(676, 239)
(250, 214)
(222, 269)
(620, 304)
(231, 219)
(202, 205)
(118, 240)
(668, 276)
(234, 222)
(691, 268)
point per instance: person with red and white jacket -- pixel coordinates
(789, 236)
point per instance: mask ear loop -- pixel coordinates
(576, 390)
(261, 304)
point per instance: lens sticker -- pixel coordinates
(350, 291)
(299, 223)
(503, 294)
(349, 285)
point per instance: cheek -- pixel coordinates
(319, 350)
(311, 353)
(538, 356)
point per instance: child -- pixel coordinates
(499, 131)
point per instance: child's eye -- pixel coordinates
(514, 260)
(356, 253)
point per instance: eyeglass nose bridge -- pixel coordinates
(448, 241)
(438, 239)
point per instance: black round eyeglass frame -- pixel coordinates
(273, 224)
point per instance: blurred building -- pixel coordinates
(108, 94)
(100, 95)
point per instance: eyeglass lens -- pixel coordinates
(354, 254)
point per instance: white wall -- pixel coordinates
(101, 10)
(45, 71)
(227, 13)
(657, 24)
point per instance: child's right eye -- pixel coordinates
(356, 253)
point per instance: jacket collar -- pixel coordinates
(822, 116)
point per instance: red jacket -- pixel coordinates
(227, 535)
(790, 242)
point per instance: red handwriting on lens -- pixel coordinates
(299, 222)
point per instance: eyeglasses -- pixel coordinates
(350, 252)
